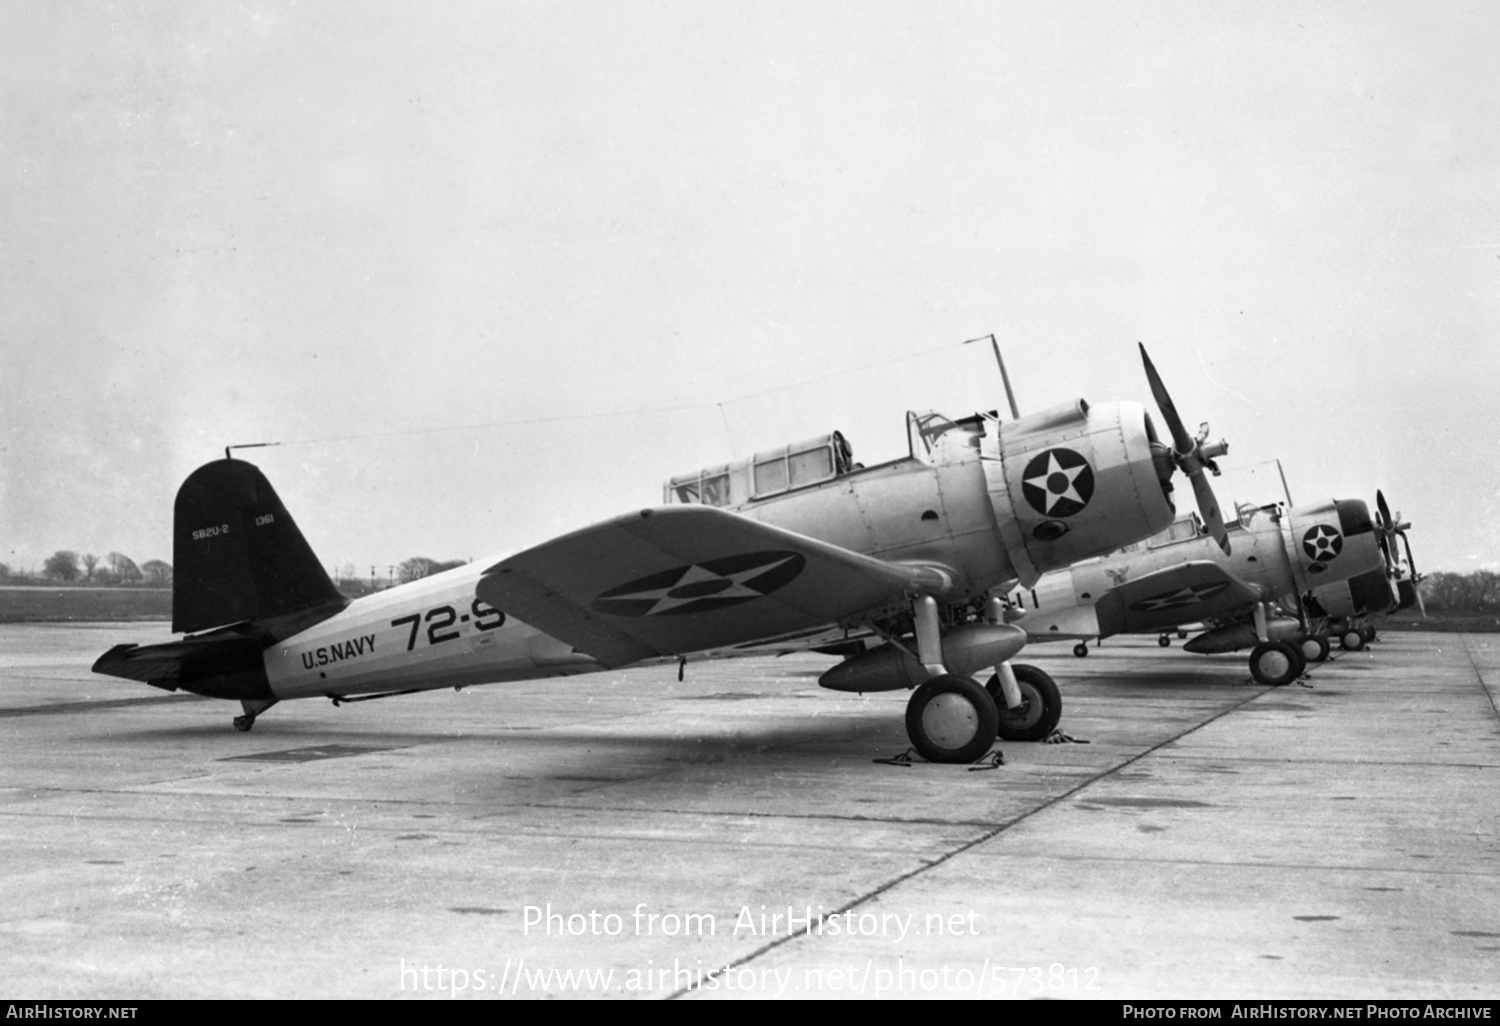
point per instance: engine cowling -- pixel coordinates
(1363, 594)
(1076, 481)
(1332, 541)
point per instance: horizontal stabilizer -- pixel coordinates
(230, 666)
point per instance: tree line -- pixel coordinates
(71, 567)
(1477, 592)
(352, 583)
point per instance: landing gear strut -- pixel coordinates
(1040, 708)
(253, 708)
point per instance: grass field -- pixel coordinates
(62, 605)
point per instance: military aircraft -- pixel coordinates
(1179, 578)
(1345, 608)
(785, 544)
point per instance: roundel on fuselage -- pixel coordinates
(1322, 543)
(1058, 483)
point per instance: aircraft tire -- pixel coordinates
(1275, 663)
(1368, 633)
(1351, 640)
(1315, 648)
(951, 719)
(244, 723)
(1081, 649)
(1041, 705)
(1164, 640)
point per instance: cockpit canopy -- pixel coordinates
(767, 473)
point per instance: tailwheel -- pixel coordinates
(1040, 709)
(1351, 641)
(1314, 648)
(1081, 649)
(253, 707)
(1164, 640)
(1275, 663)
(951, 719)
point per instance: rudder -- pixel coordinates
(237, 553)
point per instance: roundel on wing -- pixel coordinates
(1322, 543)
(1058, 483)
(1179, 598)
(702, 587)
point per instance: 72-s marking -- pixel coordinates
(485, 616)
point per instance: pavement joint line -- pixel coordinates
(1279, 866)
(996, 831)
(85, 705)
(1478, 676)
(1435, 764)
(971, 824)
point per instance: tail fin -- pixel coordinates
(237, 554)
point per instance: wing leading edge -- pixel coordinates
(681, 579)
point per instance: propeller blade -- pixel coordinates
(1411, 563)
(1416, 578)
(1385, 510)
(1208, 509)
(1189, 455)
(1181, 440)
(1383, 534)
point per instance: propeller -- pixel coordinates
(1383, 529)
(1392, 527)
(1191, 456)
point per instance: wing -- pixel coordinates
(1180, 594)
(682, 579)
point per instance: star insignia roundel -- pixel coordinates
(1322, 543)
(1190, 595)
(1058, 483)
(703, 587)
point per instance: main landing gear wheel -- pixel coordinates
(1081, 649)
(1351, 641)
(1275, 663)
(1368, 633)
(951, 719)
(1040, 709)
(1314, 648)
(1164, 640)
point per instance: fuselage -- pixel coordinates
(1278, 554)
(432, 633)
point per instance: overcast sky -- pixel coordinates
(450, 252)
